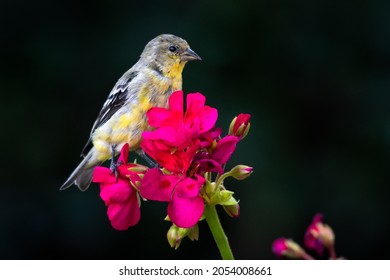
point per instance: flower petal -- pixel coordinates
(225, 149)
(117, 192)
(176, 102)
(185, 212)
(103, 175)
(156, 186)
(158, 116)
(167, 133)
(175, 161)
(124, 154)
(124, 215)
(208, 118)
(210, 165)
(189, 187)
(195, 103)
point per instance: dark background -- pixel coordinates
(314, 75)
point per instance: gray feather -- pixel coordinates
(82, 175)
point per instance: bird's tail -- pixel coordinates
(82, 175)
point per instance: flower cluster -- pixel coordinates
(191, 156)
(318, 237)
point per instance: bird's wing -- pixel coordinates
(114, 102)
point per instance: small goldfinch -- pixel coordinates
(122, 119)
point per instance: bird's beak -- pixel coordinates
(189, 55)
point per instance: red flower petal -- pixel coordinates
(124, 154)
(175, 161)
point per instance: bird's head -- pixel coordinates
(169, 54)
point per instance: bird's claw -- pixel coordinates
(114, 169)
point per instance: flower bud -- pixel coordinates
(240, 125)
(193, 232)
(241, 172)
(172, 237)
(176, 234)
(283, 247)
(208, 192)
(319, 235)
(224, 196)
(232, 210)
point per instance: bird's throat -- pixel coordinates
(175, 71)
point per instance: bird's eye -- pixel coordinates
(172, 48)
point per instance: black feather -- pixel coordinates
(114, 102)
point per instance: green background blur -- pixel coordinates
(314, 75)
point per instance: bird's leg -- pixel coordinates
(149, 161)
(113, 165)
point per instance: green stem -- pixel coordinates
(221, 178)
(220, 238)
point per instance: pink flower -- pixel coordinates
(173, 144)
(279, 246)
(185, 205)
(175, 139)
(319, 235)
(283, 247)
(186, 144)
(119, 194)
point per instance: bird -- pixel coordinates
(122, 119)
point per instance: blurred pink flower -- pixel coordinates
(319, 236)
(283, 247)
(279, 246)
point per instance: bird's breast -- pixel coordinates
(128, 123)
